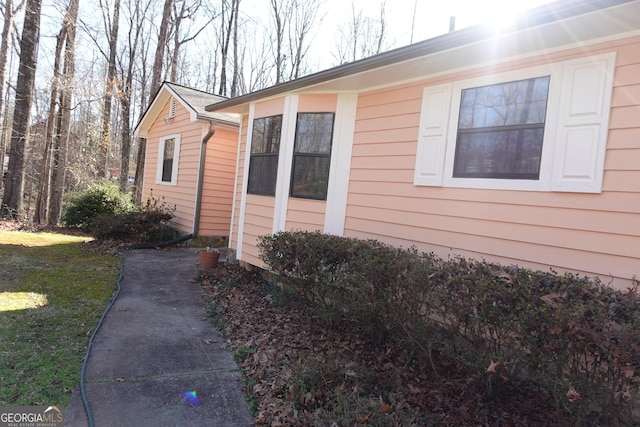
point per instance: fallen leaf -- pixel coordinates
(385, 408)
(493, 366)
(572, 394)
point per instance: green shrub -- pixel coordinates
(99, 199)
(571, 336)
(150, 224)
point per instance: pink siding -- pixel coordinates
(182, 195)
(217, 189)
(590, 233)
(233, 239)
(219, 175)
(304, 214)
(258, 221)
(317, 103)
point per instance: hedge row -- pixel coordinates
(572, 336)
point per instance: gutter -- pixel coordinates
(203, 157)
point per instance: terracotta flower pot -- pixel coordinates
(208, 259)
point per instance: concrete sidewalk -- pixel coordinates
(156, 361)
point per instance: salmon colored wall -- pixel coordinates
(597, 234)
(217, 187)
(258, 218)
(305, 214)
(269, 108)
(215, 215)
(317, 103)
(233, 239)
(183, 193)
(302, 213)
(258, 221)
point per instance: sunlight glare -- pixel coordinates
(11, 301)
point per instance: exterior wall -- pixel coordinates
(256, 218)
(258, 221)
(304, 214)
(237, 205)
(182, 194)
(258, 210)
(217, 187)
(596, 234)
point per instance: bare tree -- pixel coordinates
(9, 12)
(293, 21)
(111, 26)
(136, 22)
(51, 133)
(362, 36)
(229, 26)
(59, 166)
(13, 195)
(187, 13)
(156, 78)
(303, 20)
(280, 9)
(157, 71)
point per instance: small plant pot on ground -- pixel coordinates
(208, 259)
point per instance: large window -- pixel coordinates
(311, 155)
(168, 152)
(542, 128)
(265, 147)
(501, 129)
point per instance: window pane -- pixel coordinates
(310, 176)
(513, 154)
(506, 104)
(167, 159)
(262, 174)
(266, 135)
(314, 132)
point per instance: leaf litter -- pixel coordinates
(299, 372)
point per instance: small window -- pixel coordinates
(501, 130)
(265, 148)
(311, 156)
(169, 149)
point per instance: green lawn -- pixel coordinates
(52, 293)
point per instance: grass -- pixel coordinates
(52, 293)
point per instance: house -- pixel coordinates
(519, 145)
(181, 138)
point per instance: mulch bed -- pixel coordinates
(299, 372)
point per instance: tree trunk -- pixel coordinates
(276, 8)
(236, 65)
(155, 85)
(66, 94)
(156, 76)
(9, 14)
(108, 93)
(51, 132)
(13, 195)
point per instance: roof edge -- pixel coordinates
(532, 18)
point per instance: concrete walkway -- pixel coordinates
(156, 361)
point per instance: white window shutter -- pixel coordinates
(583, 124)
(432, 135)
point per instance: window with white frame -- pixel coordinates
(542, 128)
(168, 157)
(263, 162)
(500, 130)
(311, 155)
